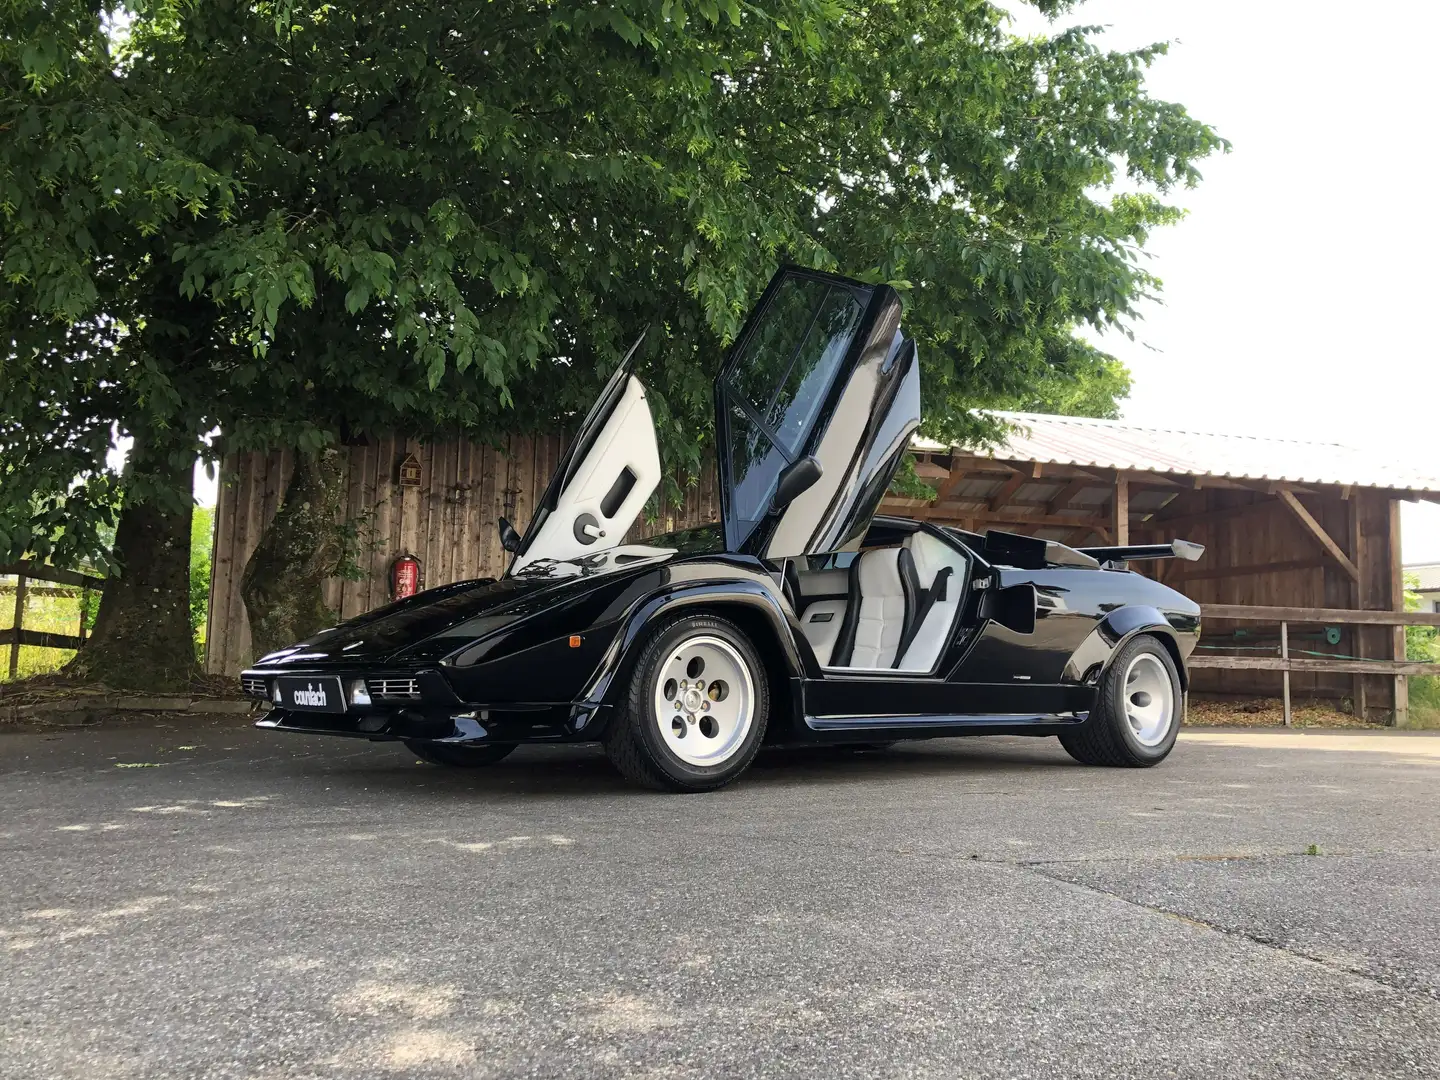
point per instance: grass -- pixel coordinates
(46, 612)
(1425, 702)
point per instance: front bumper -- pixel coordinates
(509, 723)
(432, 713)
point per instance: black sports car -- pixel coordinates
(800, 618)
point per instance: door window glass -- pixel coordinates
(799, 396)
(755, 465)
(791, 357)
(772, 345)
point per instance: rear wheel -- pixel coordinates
(459, 755)
(1137, 710)
(697, 708)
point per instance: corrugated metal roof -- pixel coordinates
(1428, 573)
(1115, 444)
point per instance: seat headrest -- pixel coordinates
(879, 572)
(931, 556)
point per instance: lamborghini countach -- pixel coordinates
(799, 617)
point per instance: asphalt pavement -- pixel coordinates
(200, 899)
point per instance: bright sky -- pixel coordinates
(1298, 292)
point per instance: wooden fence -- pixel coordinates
(1286, 663)
(16, 635)
(447, 521)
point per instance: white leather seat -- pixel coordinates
(879, 616)
(929, 638)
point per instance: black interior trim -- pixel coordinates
(914, 596)
(790, 583)
(938, 590)
(845, 643)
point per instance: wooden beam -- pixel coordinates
(1253, 613)
(1318, 531)
(42, 638)
(1007, 489)
(1315, 664)
(1068, 492)
(1397, 603)
(1209, 573)
(1121, 510)
(42, 572)
(1035, 520)
(928, 470)
(951, 484)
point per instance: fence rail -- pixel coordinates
(16, 635)
(1285, 663)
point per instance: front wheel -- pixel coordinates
(1137, 710)
(458, 755)
(697, 708)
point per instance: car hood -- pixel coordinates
(464, 609)
(436, 622)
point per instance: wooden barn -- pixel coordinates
(1301, 582)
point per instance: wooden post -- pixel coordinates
(1122, 510)
(1397, 603)
(84, 603)
(1285, 655)
(19, 623)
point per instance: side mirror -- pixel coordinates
(799, 476)
(509, 538)
(1014, 608)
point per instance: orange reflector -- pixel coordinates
(574, 641)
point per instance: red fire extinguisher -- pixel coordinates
(404, 577)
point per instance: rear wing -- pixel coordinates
(1176, 549)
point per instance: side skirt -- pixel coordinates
(843, 728)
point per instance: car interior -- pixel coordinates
(891, 605)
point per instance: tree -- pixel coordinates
(298, 222)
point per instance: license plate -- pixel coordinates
(311, 695)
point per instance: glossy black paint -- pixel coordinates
(542, 656)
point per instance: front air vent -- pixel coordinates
(253, 686)
(394, 689)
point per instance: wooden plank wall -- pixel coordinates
(448, 522)
(1282, 565)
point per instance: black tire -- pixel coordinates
(633, 740)
(458, 755)
(1106, 737)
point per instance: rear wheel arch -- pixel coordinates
(1124, 625)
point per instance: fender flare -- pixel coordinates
(751, 595)
(1089, 663)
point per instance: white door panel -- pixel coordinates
(608, 489)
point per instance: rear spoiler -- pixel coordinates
(1176, 549)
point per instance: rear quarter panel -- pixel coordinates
(1083, 616)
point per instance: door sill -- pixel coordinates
(882, 723)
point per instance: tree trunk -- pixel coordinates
(142, 638)
(283, 584)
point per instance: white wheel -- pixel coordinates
(704, 700)
(1138, 709)
(1149, 699)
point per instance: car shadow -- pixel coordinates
(582, 770)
